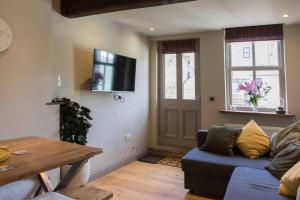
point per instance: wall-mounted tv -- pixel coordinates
(113, 72)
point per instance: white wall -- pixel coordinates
(74, 41)
(26, 73)
(213, 79)
(292, 52)
(46, 43)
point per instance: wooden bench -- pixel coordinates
(87, 192)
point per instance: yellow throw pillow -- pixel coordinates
(253, 141)
(290, 181)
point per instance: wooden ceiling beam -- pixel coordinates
(80, 8)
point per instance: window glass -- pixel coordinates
(266, 53)
(103, 56)
(170, 73)
(237, 77)
(111, 58)
(270, 78)
(188, 75)
(241, 54)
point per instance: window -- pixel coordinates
(170, 76)
(188, 76)
(178, 75)
(257, 60)
(174, 63)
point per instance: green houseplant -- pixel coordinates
(74, 122)
(74, 127)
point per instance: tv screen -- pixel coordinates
(113, 72)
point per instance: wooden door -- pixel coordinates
(179, 109)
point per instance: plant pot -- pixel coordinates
(81, 178)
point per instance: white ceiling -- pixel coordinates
(203, 15)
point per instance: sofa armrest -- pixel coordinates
(201, 137)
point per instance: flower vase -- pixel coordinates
(254, 108)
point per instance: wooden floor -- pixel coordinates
(143, 181)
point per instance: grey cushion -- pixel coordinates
(253, 184)
(283, 138)
(284, 160)
(221, 140)
(201, 137)
(52, 196)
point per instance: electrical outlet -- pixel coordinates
(127, 137)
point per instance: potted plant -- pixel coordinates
(74, 126)
(255, 91)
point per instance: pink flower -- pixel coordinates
(253, 87)
(255, 90)
(242, 87)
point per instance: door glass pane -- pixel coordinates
(170, 76)
(241, 54)
(270, 78)
(238, 77)
(188, 76)
(266, 53)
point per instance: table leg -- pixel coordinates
(45, 182)
(38, 191)
(70, 175)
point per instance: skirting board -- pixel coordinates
(121, 163)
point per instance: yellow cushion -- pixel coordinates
(290, 181)
(253, 141)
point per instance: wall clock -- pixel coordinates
(5, 35)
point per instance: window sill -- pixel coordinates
(269, 114)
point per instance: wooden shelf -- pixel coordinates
(269, 114)
(54, 103)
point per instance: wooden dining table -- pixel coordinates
(44, 155)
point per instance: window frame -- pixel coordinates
(229, 69)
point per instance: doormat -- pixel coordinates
(153, 159)
(171, 161)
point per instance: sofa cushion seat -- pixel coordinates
(209, 173)
(253, 184)
(197, 160)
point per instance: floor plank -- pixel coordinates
(143, 181)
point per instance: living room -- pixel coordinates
(48, 51)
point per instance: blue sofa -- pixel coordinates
(235, 178)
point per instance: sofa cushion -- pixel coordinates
(253, 141)
(52, 196)
(290, 181)
(252, 184)
(284, 160)
(197, 160)
(209, 173)
(221, 140)
(283, 138)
